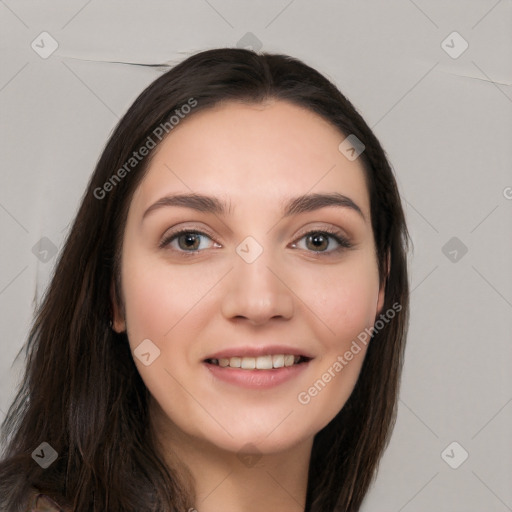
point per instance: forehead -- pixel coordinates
(253, 153)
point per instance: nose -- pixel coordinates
(257, 291)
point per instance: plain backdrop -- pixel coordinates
(432, 78)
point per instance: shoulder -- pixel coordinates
(43, 503)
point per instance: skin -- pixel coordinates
(254, 157)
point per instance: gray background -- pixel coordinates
(445, 123)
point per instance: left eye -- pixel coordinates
(320, 241)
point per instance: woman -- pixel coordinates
(226, 324)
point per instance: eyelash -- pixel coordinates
(342, 242)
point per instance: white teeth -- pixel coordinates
(264, 363)
(248, 363)
(261, 362)
(288, 360)
(235, 362)
(278, 361)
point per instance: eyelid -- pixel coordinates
(173, 233)
(331, 230)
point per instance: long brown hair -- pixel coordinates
(82, 393)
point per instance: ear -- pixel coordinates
(118, 322)
(382, 289)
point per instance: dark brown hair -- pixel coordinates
(81, 391)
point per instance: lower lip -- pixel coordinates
(256, 379)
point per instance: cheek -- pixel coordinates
(148, 306)
(344, 298)
(158, 298)
(344, 301)
(161, 305)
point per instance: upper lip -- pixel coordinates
(248, 351)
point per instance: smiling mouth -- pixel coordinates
(267, 362)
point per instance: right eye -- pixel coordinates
(185, 240)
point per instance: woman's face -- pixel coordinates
(255, 278)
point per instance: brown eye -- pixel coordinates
(186, 241)
(189, 241)
(324, 242)
(317, 242)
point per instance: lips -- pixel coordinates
(257, 372)
(248, 365)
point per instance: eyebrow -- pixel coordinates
(293, 206)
